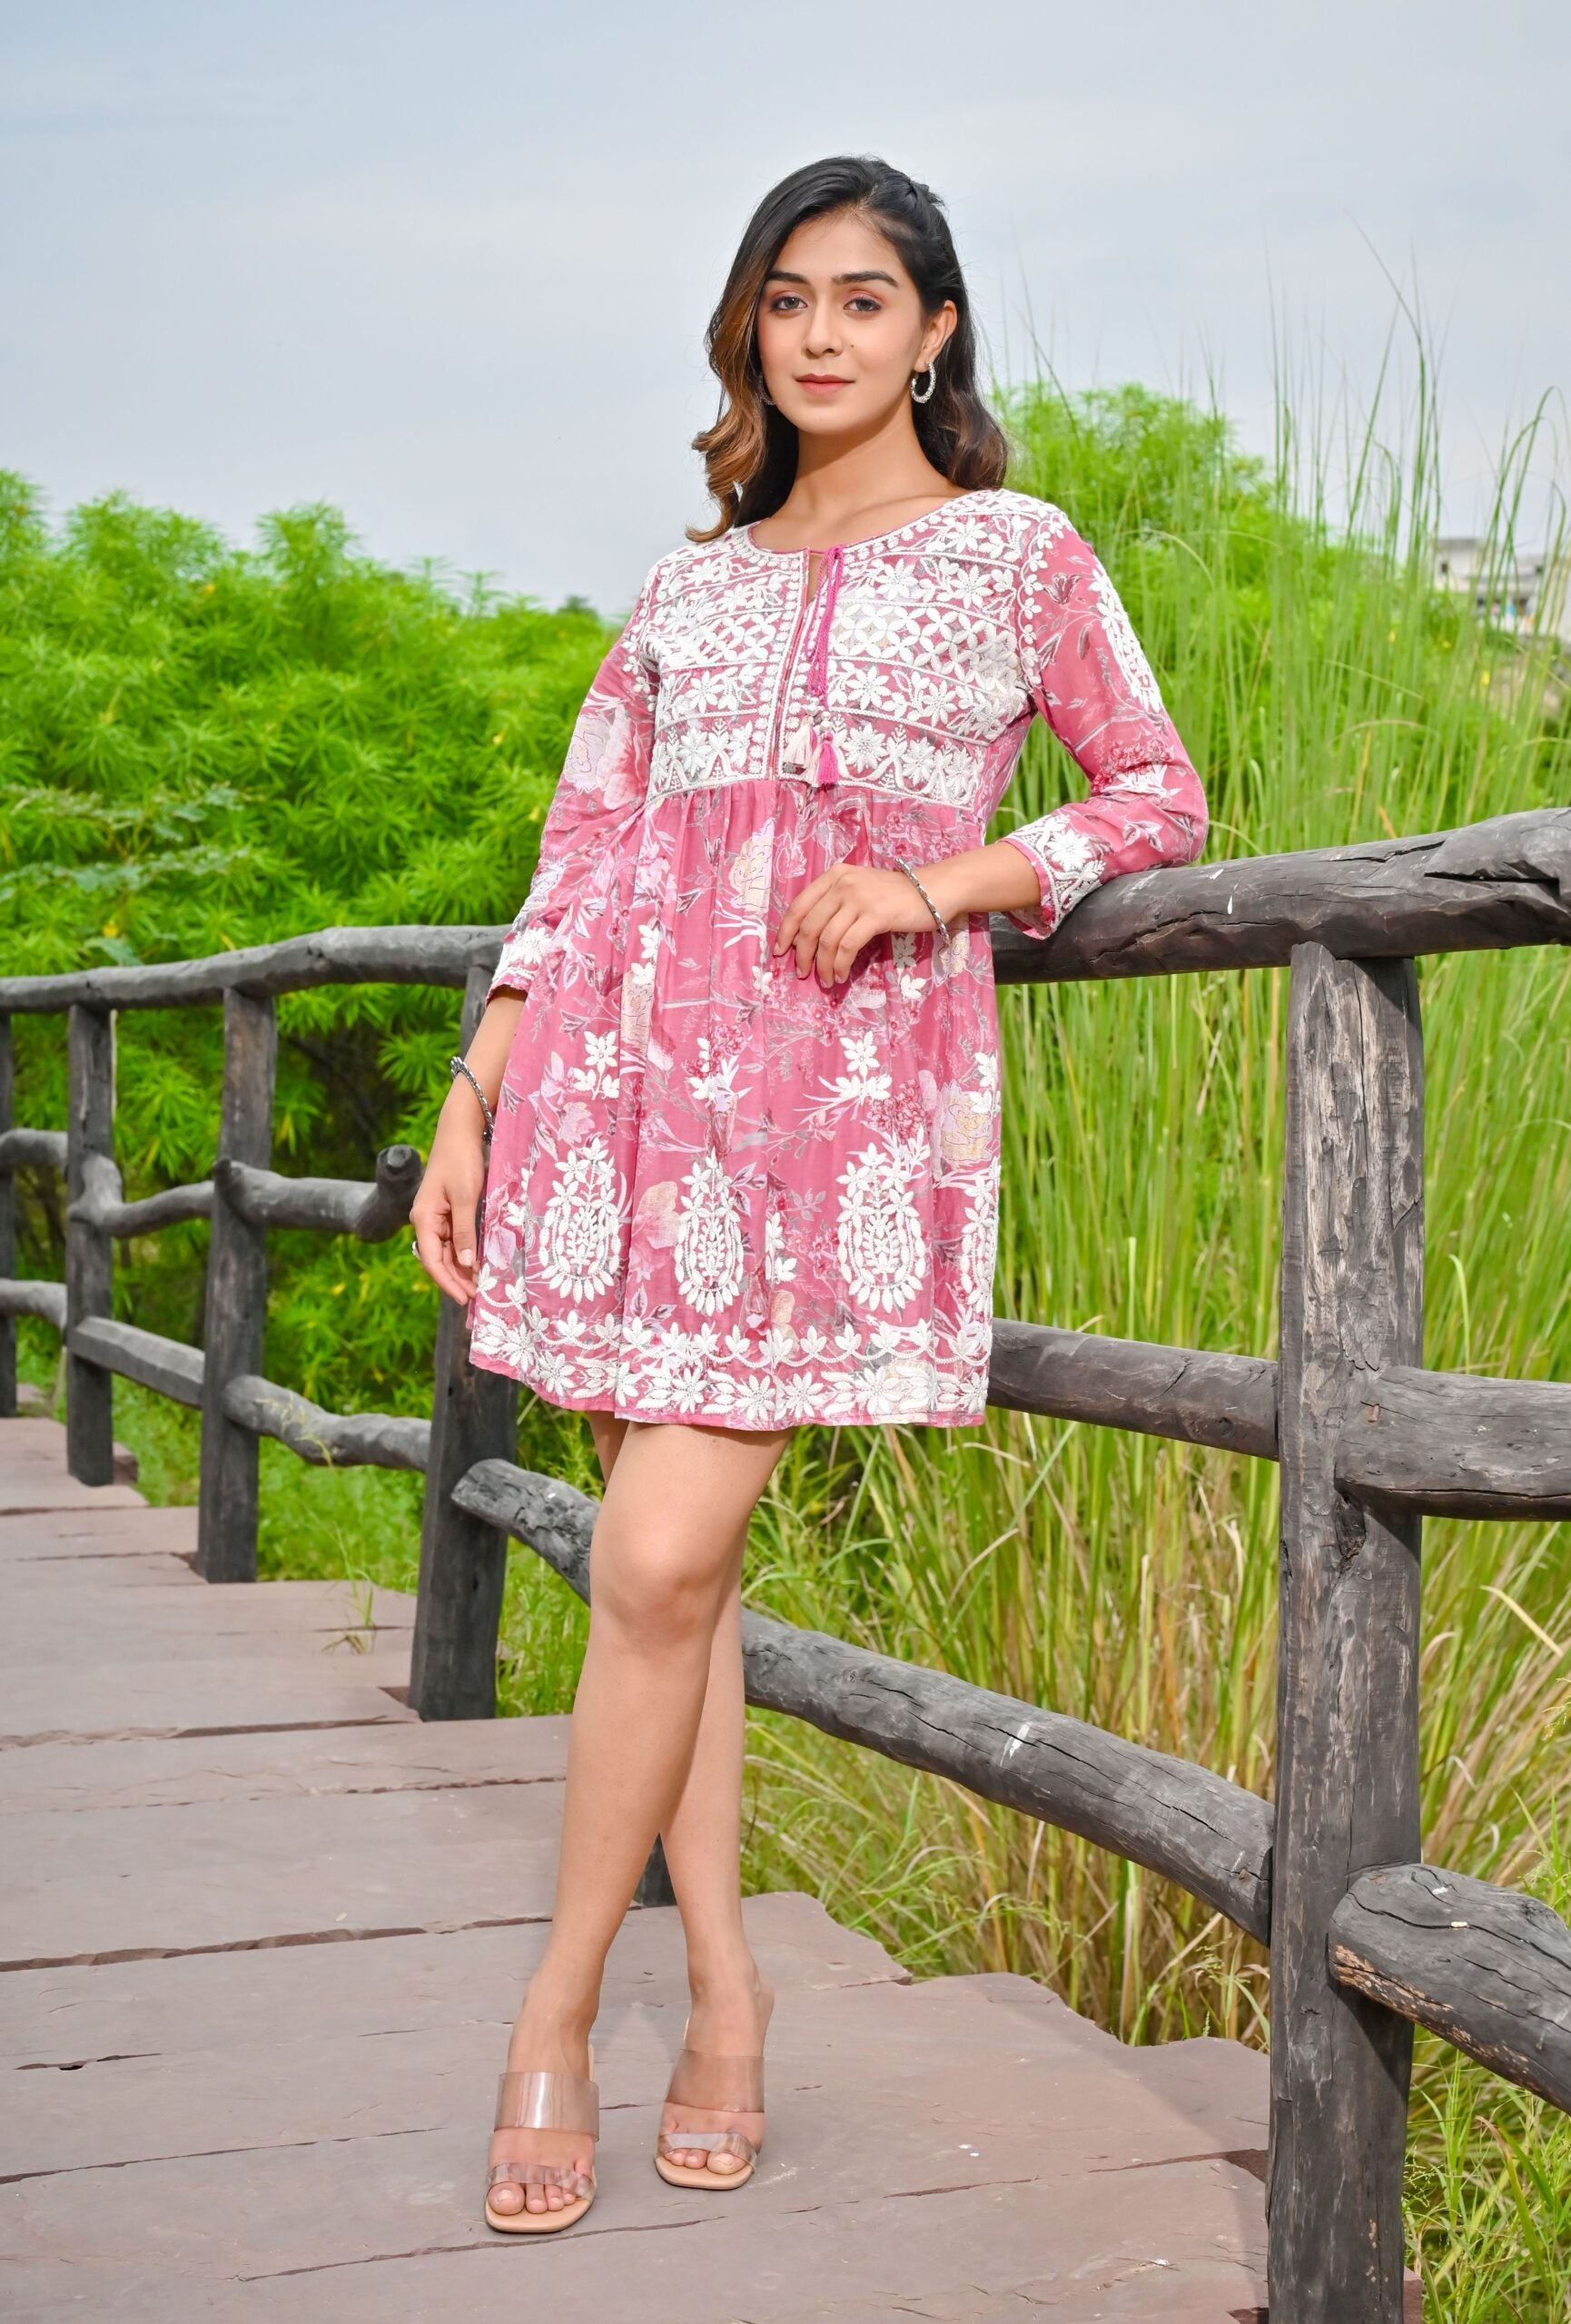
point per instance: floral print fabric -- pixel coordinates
(718, 1193)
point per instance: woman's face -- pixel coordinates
(841, 328)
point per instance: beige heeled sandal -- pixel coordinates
(717, 2085)
(545, 2101)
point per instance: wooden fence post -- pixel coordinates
(1347, 1695)
(463, 1561)
(89, 1252)
(7, 1220)
(236, 1314)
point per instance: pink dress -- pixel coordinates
(718, 1193)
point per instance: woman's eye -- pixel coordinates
(866, 305)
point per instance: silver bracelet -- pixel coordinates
(457, 1066)
(927, 900)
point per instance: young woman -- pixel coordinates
(741, 1052)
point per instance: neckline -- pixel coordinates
(868, 540)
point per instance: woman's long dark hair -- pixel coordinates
(750, 452)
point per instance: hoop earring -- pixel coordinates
(932, 383)
(764, 394)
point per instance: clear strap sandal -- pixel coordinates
(545, 2101)
(716, 2085)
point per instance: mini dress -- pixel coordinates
(716, 1192)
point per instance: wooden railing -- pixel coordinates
(1365, 1938)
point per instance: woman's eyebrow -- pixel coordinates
(866, 275)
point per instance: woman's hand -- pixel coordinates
(850, 904)
(844, 909)
(444, 1213)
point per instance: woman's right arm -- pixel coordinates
(444, 1215)
(600, 792)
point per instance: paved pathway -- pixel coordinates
(262, 1933)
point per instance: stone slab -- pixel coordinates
(43, 1631)
(312, 2078)
(71, 2016)
(111, 1881)
(33, 1474)
(876, 2092)
(957, 2256)
(179, 1770)
(182, 1696)
(29, 1535)
(37, 1584)
(27, 1494)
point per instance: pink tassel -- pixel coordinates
(826, 765)
(808, 749)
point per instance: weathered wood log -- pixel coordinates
(7, 1220)
(89, 1253)
(168, 1367)
(1179, 1391)
(298, 964)
(45, 1300)
(370, 1210)
(1348, 1693)
(102, 1202)
(1181, 1821)
(327, 1440)
(1458, 1444)
(1488, 1969)
(236, 1312)
(463, 1557)
(1485, 887)
(29, 1149)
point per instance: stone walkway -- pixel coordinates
(262, 1935)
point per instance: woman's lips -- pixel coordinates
(821, 382)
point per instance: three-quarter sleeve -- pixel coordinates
(599, 798)
(1090, 679)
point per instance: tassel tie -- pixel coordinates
(810, 748)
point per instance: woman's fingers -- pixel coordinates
(447, 1254)
(840, 939)
(880, 903)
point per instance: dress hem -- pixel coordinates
(709, 1418)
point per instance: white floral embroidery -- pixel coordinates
(1127, 650)
(717, 1191)
(580, 1232)
(709, 1255)
(879, 1237)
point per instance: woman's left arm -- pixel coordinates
(1088, 675)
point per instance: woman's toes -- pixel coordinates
(507, 2197)
(725, 2163)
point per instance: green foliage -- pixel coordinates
(203, 748)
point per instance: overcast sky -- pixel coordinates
(447, 264)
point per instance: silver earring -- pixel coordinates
(932, 383)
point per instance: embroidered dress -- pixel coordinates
(718, 1193)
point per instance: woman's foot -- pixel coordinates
(544, 2040)
(729, 2018)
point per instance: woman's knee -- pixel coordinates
(658, 1587)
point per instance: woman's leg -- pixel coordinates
(703, 1842)
(663, 1570)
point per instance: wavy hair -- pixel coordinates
(750, 452)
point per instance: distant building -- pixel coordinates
(1528, 596)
